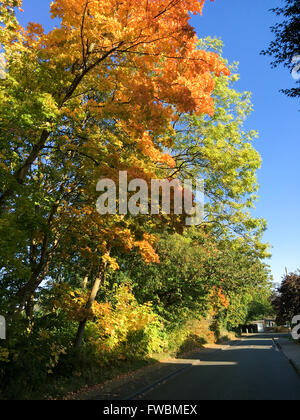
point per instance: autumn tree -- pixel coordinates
(199, 276)
(114, 60)
(94, 96)
(217, 149)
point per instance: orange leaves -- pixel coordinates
(123, 238)
(133, 62)
(125, 12)
(146, 250)
(218, 299)
(223, 299)
(168, 160)
(147, 147)
(119, 73)
(101, 310)
(35, 29)
(143, 49)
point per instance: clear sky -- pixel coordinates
(244, 29)
(243, 25)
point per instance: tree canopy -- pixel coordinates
(120, 87)
(287, 300)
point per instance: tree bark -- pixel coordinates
(25, 294)
(85, 282)
(22, 172)
(29, 310)
(39, 273)
(92, 298)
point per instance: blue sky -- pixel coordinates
(244, 28)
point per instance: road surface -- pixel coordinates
(251, 369)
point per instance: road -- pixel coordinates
(251, 369)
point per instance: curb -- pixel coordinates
(294, 366)
(291, 362)
(160, 381)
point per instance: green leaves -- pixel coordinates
(218, 150)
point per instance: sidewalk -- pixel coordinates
(291, 351)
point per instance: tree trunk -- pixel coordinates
(27, 291)
(29, 310)
(39, 273)
(85, 282)
(25, 294)
(21, 173)
(92, 298)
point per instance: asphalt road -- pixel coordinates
(252, 369)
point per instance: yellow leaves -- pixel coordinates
(4, 355)
(113, 324)
(72, 302)
(111, 262)
(56, 351)
(4, 166)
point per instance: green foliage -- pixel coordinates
(218, 149)
(55, 142)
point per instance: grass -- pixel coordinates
(75, 375)
(59, 387)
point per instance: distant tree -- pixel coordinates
(260, 307)
(285, 49)
(287, 301)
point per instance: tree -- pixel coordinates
(217, 149)
(285, 49)
(78, 106)
(287, 300)
(200, 276)
(130, 62)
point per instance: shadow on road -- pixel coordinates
(250, 369)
